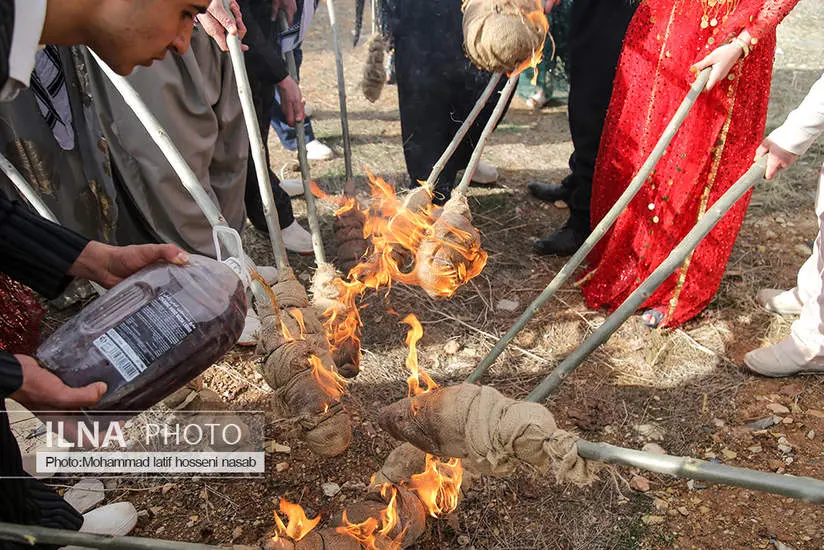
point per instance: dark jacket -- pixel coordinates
(37, 253)
(264, 59)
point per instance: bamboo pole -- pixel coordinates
(31, 535)
(349, 186)
(311, 210)
(26, 190)
(35, 201)
(600, 230)
(506, 93)
(267, 196)
(462, 131)
(804, 488)
(164, 142)
(671, 263)
(172, 154)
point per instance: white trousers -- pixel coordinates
(808, 329)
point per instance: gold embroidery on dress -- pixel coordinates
(654, 92)
(716, 11)
(716, 162)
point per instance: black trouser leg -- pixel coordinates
(423, 98)
(433, 105)
(597, 30)
(263, 96)
(25, 500)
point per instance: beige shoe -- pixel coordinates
(785, 358)
(267, 272)
(297, 239)
(293, 187)
(783, 302)
(251, 329)
(115, 520)
(485, 174)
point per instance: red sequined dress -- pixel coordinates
(20, 316)
(713, 148)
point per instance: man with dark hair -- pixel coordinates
(46, 256)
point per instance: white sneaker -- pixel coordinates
(315, 150)
(293, 187)
(251, 329)
(297, 239)
(268, 272)
(783, 302)
(785, 358)
(485, 174)
(115, 520)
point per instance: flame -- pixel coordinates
(365, 532)
(328, 381)
(538, 18)
(439, 485)
(287, 335)
(417, 375)
(298, 524)
(342, 321)
(297, 315)
(396, 230)
(344, 204)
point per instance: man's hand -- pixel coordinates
(289, 6)
(291, 100)
(549, 4)
(777, 160)
(217, 22)
(108, 265)
(43, 391)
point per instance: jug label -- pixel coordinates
(141, 338)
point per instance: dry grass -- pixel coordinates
(685, 381)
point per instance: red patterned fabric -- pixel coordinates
(713, 148)
(20, 315)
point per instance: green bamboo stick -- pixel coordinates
(656, 278)
(311, 209)
(35, 201)
(497, 113)
(26, 190)
(31, 535)
(600, 230)
(270, 212)
(462, 131)
(349, 186)
(804, 488)
(161, 138)
(164, 143)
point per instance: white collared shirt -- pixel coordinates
(804, 125)
(29, 17)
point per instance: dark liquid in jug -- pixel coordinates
(150, 334)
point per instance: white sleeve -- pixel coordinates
(29, 16)
(804, 124)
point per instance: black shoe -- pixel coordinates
(563, 242)
(549, 192)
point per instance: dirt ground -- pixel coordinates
(686, 384)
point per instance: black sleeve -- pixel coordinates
(264, 58)
(11, 374)
(35, 251)
(6, 31)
